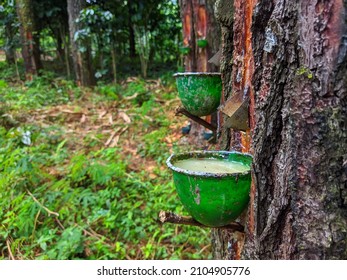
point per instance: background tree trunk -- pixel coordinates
(299, 121)
(187, 15)
(29, 37)
(81, 59)
(9, 48)
(199, 22)
(228, 244)
(132, 46)
(66, 43)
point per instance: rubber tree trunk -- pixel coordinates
(82, 60)
(65, 39)
(199, 23)
(132, 45)
(228, 244)
(29, 38)
(297, 72)
(9, 48)
(114, 62)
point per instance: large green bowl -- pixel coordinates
(200, 93)
(212, 199)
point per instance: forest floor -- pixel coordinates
(83, 173)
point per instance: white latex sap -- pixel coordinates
(211, 165)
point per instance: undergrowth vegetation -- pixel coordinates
(83, 174)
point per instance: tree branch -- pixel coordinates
(169, 217)
(204, 123)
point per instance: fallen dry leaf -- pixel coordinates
(113, 134)
(83, 119)
(131, 97)
(124, 116)
(114, 141)
(110, 119)
(102, 114)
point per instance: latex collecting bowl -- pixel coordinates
(213, 199)
(199, 92)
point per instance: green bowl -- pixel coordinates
(185, 50)
(212, 199)
(200, 93)
(202, 43)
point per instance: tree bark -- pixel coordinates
(227, 244)
(9, 48)
(81, 59)
(29, 37)
(299, 140)
(114, 63)
(296, 77)
(65, 39)
(132, 47)
(199, 23)
(59, 38)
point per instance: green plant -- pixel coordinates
(70, 196)
(109, 91)
(304, 71)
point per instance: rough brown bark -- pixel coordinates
(29, 38)
(227, 244)
(213, 35)
(81, 60)
(299, 140)
(132, 48)
(299, 120)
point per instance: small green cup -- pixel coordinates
(185, 50)
(212, 199)
(202, 43)
(199, 92)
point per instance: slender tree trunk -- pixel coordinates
(132, 47)
(29, 38)
(144, 47)
(16, 65)
(65, 40)
(100, 54)
(295, 75)
(114, 63)
(59, 39)
(81, 59)
(9, 49)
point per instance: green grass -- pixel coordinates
(73, 191)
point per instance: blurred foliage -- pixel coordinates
(110, 26)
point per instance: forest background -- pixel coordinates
(86, 124)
